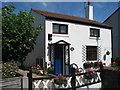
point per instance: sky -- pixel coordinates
(102, 10)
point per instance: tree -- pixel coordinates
(18, 34)
(0, 34)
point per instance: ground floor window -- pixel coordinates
(91, 53)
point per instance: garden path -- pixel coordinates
(24, 72)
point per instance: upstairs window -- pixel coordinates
(94, 32)
(60, 29)
(91, 53)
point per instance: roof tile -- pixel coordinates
(70, 18)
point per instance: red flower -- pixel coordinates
(114, 62)
(44, 68)
(38, 70)
(102, 63)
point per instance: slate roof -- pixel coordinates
(113, 14)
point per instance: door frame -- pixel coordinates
(66, 46)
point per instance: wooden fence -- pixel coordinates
(12, 83)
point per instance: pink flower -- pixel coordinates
(87, 70)
(56, 77)
(38, 65)
(91, 73)
(64, 77)
(94, 72)
(90, 70)
(60, 74)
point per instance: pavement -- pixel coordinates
(91, 87)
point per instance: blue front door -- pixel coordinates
(58, 59)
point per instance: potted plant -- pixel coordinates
(87, 65)
(45, 71)
(39, 71)
(96, 65)
(60, 80)
(90, 74)
(50, 70)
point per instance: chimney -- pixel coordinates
(89, 11)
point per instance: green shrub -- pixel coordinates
(87, 65)
(117, 60)
(50, 69)
(9, 70)
(90, 73)
(96, 65)
(18, 63)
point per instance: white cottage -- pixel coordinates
(68, 39)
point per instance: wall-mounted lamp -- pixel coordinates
(72, 48)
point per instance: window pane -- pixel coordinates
(63, 29)
(91, 33)
(94, 32)
(56, 28)
(91, 53)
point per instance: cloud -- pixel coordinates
(99, 4)
(44, 4)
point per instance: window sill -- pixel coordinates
(95, 38)
(60, 35)
(92, 61)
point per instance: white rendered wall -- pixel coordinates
(39, 48)
(78, 36)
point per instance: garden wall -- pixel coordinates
(111, 78)
(15, 82)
